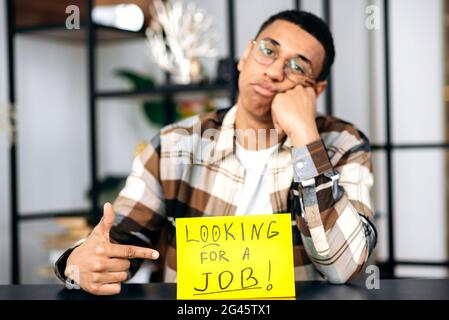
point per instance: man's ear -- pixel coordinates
(244, 56)
(320, 87)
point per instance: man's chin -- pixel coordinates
(261, 110)
(258, 106)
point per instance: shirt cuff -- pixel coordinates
(61, 263)
(310, 161)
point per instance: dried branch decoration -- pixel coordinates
(178, 35)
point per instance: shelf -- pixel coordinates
(51, 215)
(60, 32)
(441, 145)
(164, 89)
(425, 263)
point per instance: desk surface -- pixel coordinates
(434, 289)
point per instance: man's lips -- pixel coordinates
(264, 90)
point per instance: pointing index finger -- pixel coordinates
(131, 252)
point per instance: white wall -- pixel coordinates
(416, 38)
(120, 121)
(418, 74)
(52, 106)
(418, 113)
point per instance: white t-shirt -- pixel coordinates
(255, 195)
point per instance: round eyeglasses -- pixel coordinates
(296, 69)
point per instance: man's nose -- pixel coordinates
(275, 71)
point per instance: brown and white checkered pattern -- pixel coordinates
(184, 173)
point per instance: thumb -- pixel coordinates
(106, 222)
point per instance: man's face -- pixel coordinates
(259, 83)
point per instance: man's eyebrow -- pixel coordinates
(302, 57)
(272, 41)
(306, 60)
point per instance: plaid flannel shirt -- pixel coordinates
(324, 185)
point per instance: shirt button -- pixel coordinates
(300, 165)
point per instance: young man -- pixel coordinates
(315, 166)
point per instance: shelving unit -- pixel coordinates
(90, 34)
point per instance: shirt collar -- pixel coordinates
(225, 144)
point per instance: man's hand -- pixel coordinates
(103, 265)
(294, 112)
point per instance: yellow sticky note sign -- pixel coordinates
(229, 257)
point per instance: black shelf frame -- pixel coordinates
(13, 180)
(92, 32)
(387, 267)
(163, 90)
(58, 32)
(51, 215)
(43, 28)
(330, 83)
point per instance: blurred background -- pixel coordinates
(81, 93)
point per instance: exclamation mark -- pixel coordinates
(270, 286)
